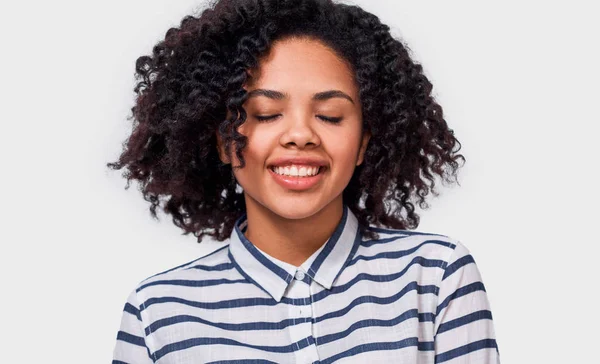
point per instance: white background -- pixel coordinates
(518, 82)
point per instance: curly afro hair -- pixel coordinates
(194, 76)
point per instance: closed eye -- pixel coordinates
(264, 118)
(333, 120)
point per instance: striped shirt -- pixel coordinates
(408, 297)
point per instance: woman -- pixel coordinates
(300, 132)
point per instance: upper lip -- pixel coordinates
(306, 161)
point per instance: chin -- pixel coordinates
(294, 208)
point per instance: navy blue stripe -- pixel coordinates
(469, 288)
(246, 326)
(192, 283)
(400, 231)
(426, 317)
(132, 310)
(314, 268)
(185, 344)
(119, 362)
(132, 339)
(467, 259)
(413, 313)
(246, 361)
(412, 286)
(369, 243)
(398, 253)
(466, 349)
(225, 304)
(475, 316)
(426, 346)
(412, 341)
(212, 268)
(184, 264)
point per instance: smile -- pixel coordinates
(297, 183)
(297, 170)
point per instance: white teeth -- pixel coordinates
(297, 171)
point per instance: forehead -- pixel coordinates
(298, 64)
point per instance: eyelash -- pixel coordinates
(325, 118)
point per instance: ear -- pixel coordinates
(363, 147)
(221, 149)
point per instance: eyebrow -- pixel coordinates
(319, 96)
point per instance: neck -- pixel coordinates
(291, 241)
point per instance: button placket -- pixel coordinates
(303, 309)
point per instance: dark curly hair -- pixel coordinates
(196, 75)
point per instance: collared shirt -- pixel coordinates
(407, 297)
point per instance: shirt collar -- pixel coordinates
(274, 275)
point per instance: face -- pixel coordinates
(327, 127)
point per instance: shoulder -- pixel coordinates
(426, 244)
(214, 261)
(443, 251)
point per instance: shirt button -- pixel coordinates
(299, 275)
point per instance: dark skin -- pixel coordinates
(286, 224)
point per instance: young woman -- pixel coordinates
(301, 132)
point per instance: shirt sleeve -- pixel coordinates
(130, 347)
(464, 331)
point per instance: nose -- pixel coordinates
(299, 132)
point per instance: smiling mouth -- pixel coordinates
(319, 171)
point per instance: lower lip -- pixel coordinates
(297, 183)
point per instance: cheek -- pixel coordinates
(256, 151)
(344, 160)
(344, 149)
